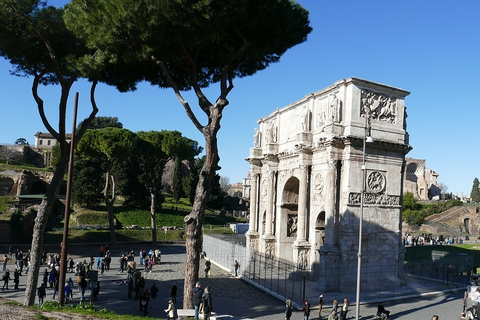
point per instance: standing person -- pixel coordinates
(41, 294)
(145, 302)
(288, 309)
(197, 298)
(83, 286)
(102, 251)
(344, 311)
(71, 265)
(16, 278)
(236, 265)
(55, 287)
(6, 278)
(153, 292)
(320, 306)
(207, 267)
(335, 306)
(207, 303)
(45, 278)
(170, 310)
(306, 310)
(173, 293)
(130, 287)
(5, 260)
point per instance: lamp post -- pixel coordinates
(366, 138)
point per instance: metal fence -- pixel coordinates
(284, 279)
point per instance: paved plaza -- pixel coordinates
(232, 298)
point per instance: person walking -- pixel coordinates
(41, 294)
(170, 311)
(197, 298)
(207, 303)
(6, 279)
(320, 306)
(288, 309)
(207, 267)
(306, 310)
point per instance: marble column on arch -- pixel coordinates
(252, 233)
(302, 204)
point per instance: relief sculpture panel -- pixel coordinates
(381, 107)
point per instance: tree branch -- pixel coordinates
(184, 102)
(86, 122)
(40, 105)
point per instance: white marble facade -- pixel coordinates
(306, 183)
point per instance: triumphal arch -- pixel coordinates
(307, 182)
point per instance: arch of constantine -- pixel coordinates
(307, 182)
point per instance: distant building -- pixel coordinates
(421, 181)
(46, 140)
(235, 189)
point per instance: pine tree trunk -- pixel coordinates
(194, 221)
(39, 229)
(109, 202)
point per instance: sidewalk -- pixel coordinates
(232, 297)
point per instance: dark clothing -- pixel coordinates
(153, 291)
(381, 309)
(173, 293)
(16, 278)
(207, 303)
(197, 296)
(306, 309)
(288, 312)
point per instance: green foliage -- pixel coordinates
(129, 33)
(409, 202)
(102, 122)
(177, 180)
(417, 215)
(414, 217)
(4, 202)
(88, 181)
(89, 217)
(475, 194)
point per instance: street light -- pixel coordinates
(366, 138)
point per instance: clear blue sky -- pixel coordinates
(429, 48)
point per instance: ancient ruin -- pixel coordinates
(307, 182)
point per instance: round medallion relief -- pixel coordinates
(376, 181)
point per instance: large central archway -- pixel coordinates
(288, 217)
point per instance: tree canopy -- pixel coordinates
(475, 194)
(183, 45)
(34, 39)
